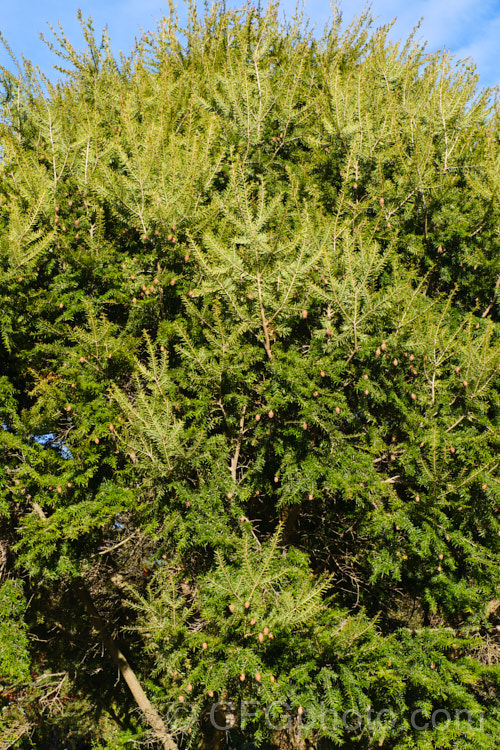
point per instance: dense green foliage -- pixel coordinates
(249, 390)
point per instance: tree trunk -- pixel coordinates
(148, 710)
(150, 713)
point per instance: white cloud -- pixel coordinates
(484, 51)
(465, 27)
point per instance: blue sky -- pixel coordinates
(467, 28)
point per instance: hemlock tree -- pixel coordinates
(249, 392)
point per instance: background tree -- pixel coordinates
(250, 370)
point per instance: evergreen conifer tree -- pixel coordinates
(249, 392)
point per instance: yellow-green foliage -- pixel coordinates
(248, 282)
